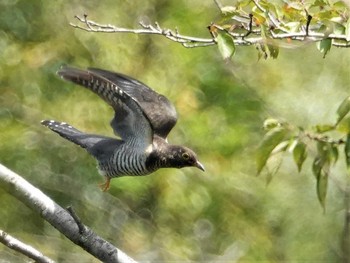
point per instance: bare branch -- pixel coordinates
(186, 41)
(60, 218)
(23, 248)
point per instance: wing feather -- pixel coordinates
(129, 120)
(159, 110)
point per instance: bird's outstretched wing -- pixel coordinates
(130, 122)
(160, 111)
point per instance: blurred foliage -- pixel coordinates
(226, 213)
(327, 140)
(264, 24)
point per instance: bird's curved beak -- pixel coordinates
(199, 166)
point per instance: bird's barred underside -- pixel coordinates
(125, 162)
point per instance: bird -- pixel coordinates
(142, 121)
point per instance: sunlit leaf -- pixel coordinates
(270, 124)
(269, 142)
(347, 30)
(339, 29)
(229, 10)
(259, 18)
(340, 5)
(281, 147)
(344, 125)
(225, 44)
(323, 157)
(317, 166)
(343, 109)
(321, 128)
(324, 46)
(299, 154)
(293, 26)
(273, 164)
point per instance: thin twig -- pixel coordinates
(309, 17)
(77, 220)
(23, 248)
(187, 41)
(326, 139)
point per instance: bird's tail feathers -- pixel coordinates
(87, 141)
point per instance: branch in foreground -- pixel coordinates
(23, 248)
(60, 218)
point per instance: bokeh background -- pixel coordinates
(225, 214)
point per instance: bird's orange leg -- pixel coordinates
(105, 186)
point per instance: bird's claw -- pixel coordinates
(105, 186)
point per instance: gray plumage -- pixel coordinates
(142, 119)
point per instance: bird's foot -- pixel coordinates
(105, 186)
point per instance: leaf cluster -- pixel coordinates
(269, 25)
(283, 137)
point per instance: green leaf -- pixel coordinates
(322, 184)
(324, 46)
(299, 154)
(321, 128)
(225, 44)
(347, 30)
(347, 151)
(334, 153)
(344, 125)
(271, 123)
(320, 168)
(274, 51)
(317, 166)
(277, 161)
(322, 158)
(271, 139)
(229, 10)
(343, 109)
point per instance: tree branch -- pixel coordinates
(60, 218)
(239, 39)
(23, 248)
(186, 41)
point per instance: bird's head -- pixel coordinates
(180, 156)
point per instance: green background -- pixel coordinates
(226, 213)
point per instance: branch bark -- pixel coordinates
(60, 218)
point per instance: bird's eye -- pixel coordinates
(185, 156)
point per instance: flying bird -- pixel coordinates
(142, 120)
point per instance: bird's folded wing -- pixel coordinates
(129, 120)
(159, 110)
